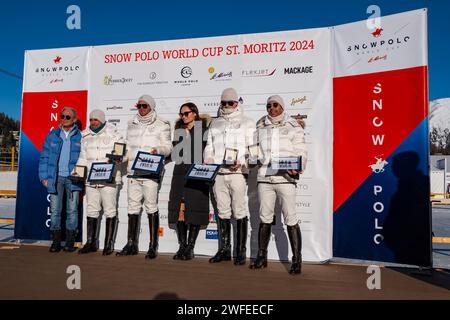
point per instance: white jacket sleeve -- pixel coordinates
(208, 153)
(299, 145)
(165, 147)
(82, 158)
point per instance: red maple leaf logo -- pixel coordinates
(377, 32)
(57, 59)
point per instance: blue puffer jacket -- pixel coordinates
(48, 162)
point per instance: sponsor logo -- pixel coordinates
(220, 76)
(380, 43)
(257, 73)
(377, 32)
(114, 120)
(114, 108)
(212, 234)
(108, 80)
(212, 217)
(379, 165)
(186, 72)
(377, 58)
(57, 69)
(152, 76)
(303, 204)
(298, 70)
(298, 100)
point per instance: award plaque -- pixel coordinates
(147, 165)
(101, 172)
(286, 163)
(205, 172)
(79, 174)
(118, 152)
(255, 154)
(230, 156)
(299, 116)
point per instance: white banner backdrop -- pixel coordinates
(293, 64)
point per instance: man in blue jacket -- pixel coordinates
(58, 158)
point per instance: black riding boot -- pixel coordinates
(131, 248)
(295, 238)
(193, 234)
(91, 243)
(56, 244)
(109, 236)
(182, 239)
(263, 242)
(153, 225)
(241, 235)
(224, 252)
(70, 241)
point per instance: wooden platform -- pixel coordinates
(31, 272)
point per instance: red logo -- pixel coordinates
(57, 59)
(377, 32)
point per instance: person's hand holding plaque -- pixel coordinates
(235, 166)
(153, 151)
(117, 153)
(78, 173)
(230, 157)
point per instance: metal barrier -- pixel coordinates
(8, 159)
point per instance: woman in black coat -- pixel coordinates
(189, 199)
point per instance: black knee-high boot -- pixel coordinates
(91, 243)
(224, 252)
(193, 234)
(109, 236)
(241, 240)
(131, 248)
(295, 238)
(182, 239)
(153, 225)
(263, 242)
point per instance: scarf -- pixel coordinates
(228, 113)
(278, 119)
(148, 118)
(98, 129)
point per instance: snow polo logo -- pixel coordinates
(57, 59)
(377, 32)
(378, 166)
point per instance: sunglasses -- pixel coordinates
(227, 103)
(65, 117)
(185, 114)
(142, 105)
(270, 105)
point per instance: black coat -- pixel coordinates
(194, 193)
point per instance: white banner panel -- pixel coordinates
(293, 64)
(397, 43)
(56, 70)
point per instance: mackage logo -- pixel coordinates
(298, 70)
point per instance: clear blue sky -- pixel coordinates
(42, 24)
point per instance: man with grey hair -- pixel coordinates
(149, 133)
(59, 155)
(229, 137)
